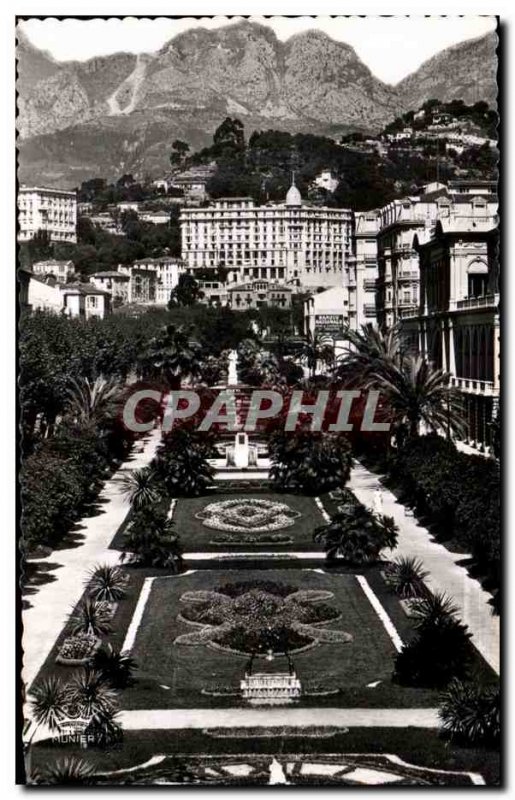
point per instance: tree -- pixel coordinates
(317, 348)
(230, 136)
(186, 293)
(178, 152)
(171, 356)
(182, 463)
(418, 394)
(368, 350)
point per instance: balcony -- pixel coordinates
(486, 301)
(369, 285)
(406, 311)
(369, 309)
(475, 386)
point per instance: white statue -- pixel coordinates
(233, 374)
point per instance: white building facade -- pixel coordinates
(50, 210)
(293, 242)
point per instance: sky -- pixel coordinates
(392, 47)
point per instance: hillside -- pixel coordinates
(120, 113)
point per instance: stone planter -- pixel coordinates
(77, 662)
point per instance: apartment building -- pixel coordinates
(167, 271)
(290, 242)
(50, 210)
(456, 325)
(362, 273)
(399, 221)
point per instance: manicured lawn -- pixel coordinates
(196, 536)
(413, 745)
(196, 676)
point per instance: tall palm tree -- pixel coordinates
(142, 488)
(317, 348)
(368, 350)
(419, 394)
(92, 401)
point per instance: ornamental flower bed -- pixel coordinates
(78, 650)
(244, 515)
(259, 617)
(252, 539)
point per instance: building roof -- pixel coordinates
(293, 196)
(46, 189)
(110, 274)
(82, 288)
(52, 262)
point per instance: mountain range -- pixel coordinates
(120, 113)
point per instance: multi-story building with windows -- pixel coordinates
(258, 293)
(399, 221)
(50, 210)
(116, 283)
(167, 270)
(291, 242)
(361, 278)
(456, 325)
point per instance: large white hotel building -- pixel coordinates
(291, 242)
(50, 210)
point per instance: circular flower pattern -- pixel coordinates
(242, 515)
(259, 618)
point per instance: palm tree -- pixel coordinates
(367, 351)
(470, 713)
(69, 771)
(172, 356)
(407, 575)
(116, 667)
(418, 394)
(90, 617)
(142, 488)
(92, 401)
(317, 347)
(106, 583)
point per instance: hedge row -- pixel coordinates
(460, 493)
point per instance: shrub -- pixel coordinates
(106, 583)
(406, 575)
(470, 714)
(441, 649)
(90, 617)
(116, 668)
(151, 541)
(309, 463)
(356, 534)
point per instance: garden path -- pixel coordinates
(445, 573)
(44, 620)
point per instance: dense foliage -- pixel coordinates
(355, 534)
(458, 492)
(310, 463)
